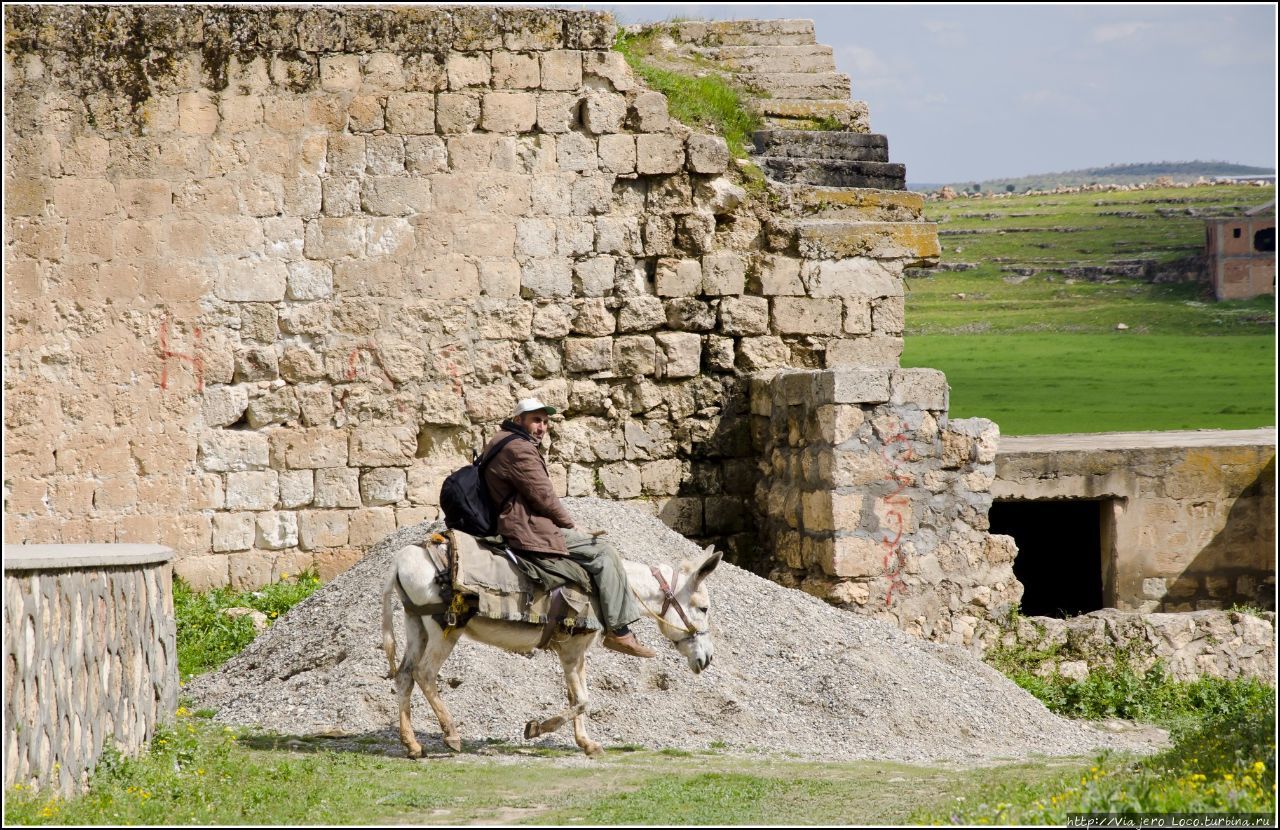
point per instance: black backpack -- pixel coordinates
(464, 498)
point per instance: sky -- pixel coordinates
(974, 92)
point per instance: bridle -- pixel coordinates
(668, 601)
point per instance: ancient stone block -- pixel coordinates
(546, 277)
(233, 531)
(594, 277)
(864, 351)
(224, 405)
(456, 112)
(887, 314)
(803, 315)
(296, 488)
(723, 272)
(252, 490)
(322, 528)
(557, 112)
(603, 112)
(233, 450)
(249, 280)
(576, 153)
(561, 69)
(464, 70)
(620, 480)
(848, 386)
(926, 388)
(277, 531)
(513, 70)
(708, 154)
(551, 321)
(509, 112)
(854, 556)
(618, 153)
(311, 448)
(679, 355)
(856, 276)
(583, 354)
(649, 112)
(658, 153)
(337, 487)
(635, 355)
(642, 313)
(744, 315)
(382, 447)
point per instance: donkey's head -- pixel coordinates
(691, 633)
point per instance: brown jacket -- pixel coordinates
(529, 511)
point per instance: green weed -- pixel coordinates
(697, 95)
(1226, 764)
(207, 638)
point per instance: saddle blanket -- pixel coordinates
(504, 592)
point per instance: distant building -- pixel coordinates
(1242, 254)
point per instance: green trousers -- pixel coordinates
(594, 565)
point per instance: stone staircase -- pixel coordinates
(799, 91)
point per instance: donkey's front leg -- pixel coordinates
(573, 659)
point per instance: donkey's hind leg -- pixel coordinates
(415, 644)
(439, 646)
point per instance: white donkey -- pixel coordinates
(678, 592)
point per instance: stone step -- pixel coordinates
(744, 32)
(807, 86)
(822, 144)
(848, 204)
(815, 58)
(826, 239)
(789, 113)
(835, 173)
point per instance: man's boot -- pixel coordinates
(627, 644)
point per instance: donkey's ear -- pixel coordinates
(705, 569)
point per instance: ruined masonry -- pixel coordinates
(273, 272)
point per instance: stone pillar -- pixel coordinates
(876, 501)
(90, 657)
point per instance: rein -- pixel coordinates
(668, 600)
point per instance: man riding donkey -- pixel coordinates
(534, 524)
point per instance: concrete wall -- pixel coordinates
(272, 273)
(90, 657)
(1191, 515)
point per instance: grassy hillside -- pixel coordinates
(1178, 171)
(1184, 361)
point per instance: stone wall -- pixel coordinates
(876, 501)
(90, 657)
(273, 272)
(1225, 644)
(1191, 521)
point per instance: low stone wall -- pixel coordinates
(873, 499)
(1216, 643)
(90, 657)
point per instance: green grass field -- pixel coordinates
(1032, 384)
(1041, 352)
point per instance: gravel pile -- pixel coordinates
(791, 674)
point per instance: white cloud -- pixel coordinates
(946, 33)
(1118, 31)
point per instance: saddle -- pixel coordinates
(487, 582)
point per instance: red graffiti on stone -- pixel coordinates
(895, 560)
(196, 359)
(370, 349)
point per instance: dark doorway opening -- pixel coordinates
(1059, 560)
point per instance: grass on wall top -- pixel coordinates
(697, 96)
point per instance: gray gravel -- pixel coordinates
(791, 675)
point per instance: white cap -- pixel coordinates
(532, 405)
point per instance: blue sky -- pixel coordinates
(972, 92)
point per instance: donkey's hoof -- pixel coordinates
(415, 752)
(593, 749)
(531, 730)
(454, 743)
